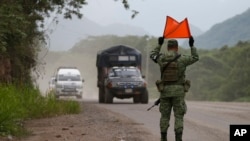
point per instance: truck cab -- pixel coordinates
(125, 82)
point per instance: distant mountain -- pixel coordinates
(228, 32)
(195, 31)
(68, 32)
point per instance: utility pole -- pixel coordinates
(147, 61)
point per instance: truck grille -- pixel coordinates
(128, 84)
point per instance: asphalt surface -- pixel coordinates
(206, 121)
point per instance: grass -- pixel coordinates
(19, 104)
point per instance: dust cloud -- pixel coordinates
(85, 62)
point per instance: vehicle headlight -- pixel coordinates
(109, 85)
(142, 84)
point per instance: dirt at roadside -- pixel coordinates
(92, 124)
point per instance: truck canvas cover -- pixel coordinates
(119, 55)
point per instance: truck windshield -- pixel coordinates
(126, 72)
(69, 78)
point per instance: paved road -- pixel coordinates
(206, 121)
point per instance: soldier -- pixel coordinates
(173, 85)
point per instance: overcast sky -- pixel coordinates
(201, 13)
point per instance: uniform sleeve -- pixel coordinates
(193, 58)
(155, 54)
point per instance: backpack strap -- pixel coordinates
(165, 67)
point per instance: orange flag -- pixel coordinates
(174, 29)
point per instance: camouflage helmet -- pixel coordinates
(172, 43)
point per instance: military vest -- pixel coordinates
(170, 74)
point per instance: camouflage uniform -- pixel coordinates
(172, 95)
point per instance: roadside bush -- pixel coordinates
(11, 110)
(19, 104)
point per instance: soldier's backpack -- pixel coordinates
(169, 72)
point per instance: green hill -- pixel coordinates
(228, 32)
(222, 74)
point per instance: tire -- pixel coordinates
(108, 96)
(137, 98)
(101, 95)
(144, 97)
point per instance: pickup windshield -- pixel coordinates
(69, 78)
(125, 72)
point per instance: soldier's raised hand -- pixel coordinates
(160, 40)
(191, 41)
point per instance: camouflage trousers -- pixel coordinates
(179, 107)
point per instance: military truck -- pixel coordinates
(119, 75)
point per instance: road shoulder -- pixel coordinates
(92, 124)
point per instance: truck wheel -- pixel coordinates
(101, 95)
(136, 98)
(144, 97)
(108, 96)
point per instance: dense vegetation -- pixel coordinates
(21, 31)
(19, 104)
(221, 74)
(21, 36)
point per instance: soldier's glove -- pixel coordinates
(191, 41)
(160, 40)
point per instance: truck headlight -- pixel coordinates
(142, 84)
(109, 85)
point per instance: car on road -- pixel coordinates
(125, 82)
(68, 82)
